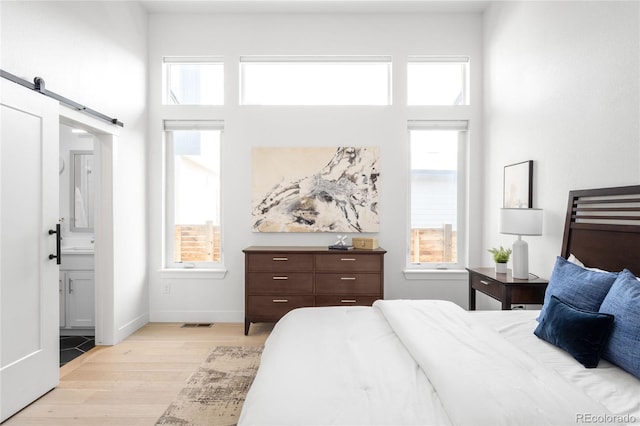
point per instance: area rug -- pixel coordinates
(216, 391)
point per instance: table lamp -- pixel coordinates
(521, 222)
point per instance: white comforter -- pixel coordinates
(403, 362)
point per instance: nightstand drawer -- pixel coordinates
(280, 283)
(273, 307)
(345, 300)
(290, 262)
(348, 261)
(486, 286)
(346, 283)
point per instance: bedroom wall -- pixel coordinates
(176, 296)
(95, 53)
(561, 89)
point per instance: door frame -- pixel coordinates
(105, 151)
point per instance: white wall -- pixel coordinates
(561, 89)
(231, 36)
(95, 54)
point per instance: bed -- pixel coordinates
(420, 362)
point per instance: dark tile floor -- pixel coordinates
(73, 346)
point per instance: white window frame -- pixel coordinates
(462, 126)
(305, 59)
(466, 98)
(166, 78)
(169, 196)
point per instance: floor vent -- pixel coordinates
(197, 325)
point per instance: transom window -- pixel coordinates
(437, 81)
(193, 81)
(315, 80)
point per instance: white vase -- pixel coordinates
(501, 268)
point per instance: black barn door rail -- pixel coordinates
(38, 86)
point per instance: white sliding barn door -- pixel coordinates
(29, 343)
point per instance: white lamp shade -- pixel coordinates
(521, 221)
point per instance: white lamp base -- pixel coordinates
(520, 259)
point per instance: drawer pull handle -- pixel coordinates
(281, 278)
(484, 282)
(280, 259)
(348, 301)
(348, 258)
(280, 301)
(348, 278)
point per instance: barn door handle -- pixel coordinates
(58, 239)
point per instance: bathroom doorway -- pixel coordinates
(105, 142)
(77, 219)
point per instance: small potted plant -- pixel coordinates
(501, 257)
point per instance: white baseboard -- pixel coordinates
(129, 328)
(197, 316)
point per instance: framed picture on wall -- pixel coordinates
(315, 189)
(518, 186)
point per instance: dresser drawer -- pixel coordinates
(345, 300)
(280, 283)
(347, 283)
(291, 262)
(486, 286)
(273, 307)
(348, 261)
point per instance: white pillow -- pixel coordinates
(576, 261)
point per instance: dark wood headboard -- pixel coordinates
(602, 228)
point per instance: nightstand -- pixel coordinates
(504, 288)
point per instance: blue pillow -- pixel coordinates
(623, 301)
(578, 286)
(582, 334)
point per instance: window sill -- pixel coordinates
(203, 274)
(435, 274)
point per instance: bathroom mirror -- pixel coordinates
(82, 199)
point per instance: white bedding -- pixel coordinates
(427, 362)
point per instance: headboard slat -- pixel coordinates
(612, 201)
(610, 209)
(603, 217)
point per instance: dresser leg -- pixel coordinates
(247, 323)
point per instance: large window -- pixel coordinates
(193, 193)
(193, 81)
(437, 150)
(310, 80)
(437, 80)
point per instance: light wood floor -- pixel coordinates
(133, 382)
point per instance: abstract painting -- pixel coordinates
(315, 189)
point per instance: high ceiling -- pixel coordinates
(314, 6)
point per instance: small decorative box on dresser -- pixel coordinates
(279, 279)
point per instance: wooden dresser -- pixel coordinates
(279, 279)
